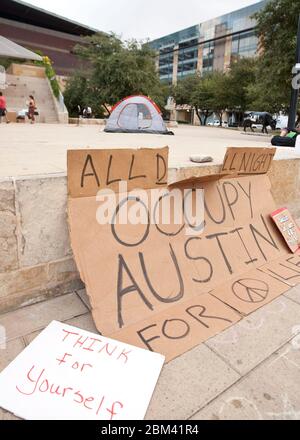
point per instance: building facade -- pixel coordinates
(39, 30)
(208, 46)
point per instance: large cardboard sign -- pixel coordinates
(167, 287)
(70, 374)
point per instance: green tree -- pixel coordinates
(196, 92)
(206, 94)
(240, 76)
(220, 91)
(217, 92)
(113, 70)
(277, 31)
(76, 94)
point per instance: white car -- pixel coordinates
(214, 123)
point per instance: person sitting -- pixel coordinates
(287, 138)
(87, 112)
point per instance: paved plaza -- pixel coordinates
(41, 149)
(250, 371)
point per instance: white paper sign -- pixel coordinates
(71, 374)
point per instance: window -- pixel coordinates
(244, 44)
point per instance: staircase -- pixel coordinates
(18, 94)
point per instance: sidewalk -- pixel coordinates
(251, 371)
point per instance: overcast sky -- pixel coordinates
(141, 19)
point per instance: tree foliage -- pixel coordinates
(277, 30)
(216, 92)
(113, 70)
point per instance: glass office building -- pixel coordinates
(208, 46)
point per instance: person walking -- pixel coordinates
(31, 109)
(3, 111)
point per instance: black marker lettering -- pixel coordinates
(244, 162)
(217, 236)
(122, 291)
(168, 234)
(160, 178)
(230, 203)
(114, 221)
(181, 336)
(249, 195)
(257, 234)
(108, 181)
(237, 231)
(146, 341)
(131, 177)
(232, 167)
(210, 267)
(223, 213)
(200, 314)
(165, 299)
(84, 174)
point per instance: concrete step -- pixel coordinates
(18, 94)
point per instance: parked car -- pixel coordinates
(214, 123)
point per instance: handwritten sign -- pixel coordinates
(288, 228)
(239, 161)
(153, 285)
(71, 374)
(94, 170)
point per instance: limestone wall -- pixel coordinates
(35, 254)
(26, 70)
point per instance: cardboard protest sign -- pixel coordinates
(71, 374)
(288, 228)
(93, 170)
(178, 326)
(239, 161)
(143, 277)
(250, 291)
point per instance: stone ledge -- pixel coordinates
(33, 284)
(83, 121)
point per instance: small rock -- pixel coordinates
(201, 159)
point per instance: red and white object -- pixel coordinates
(288, 228)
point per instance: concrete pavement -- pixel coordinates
(41, 148)
(250, 371)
